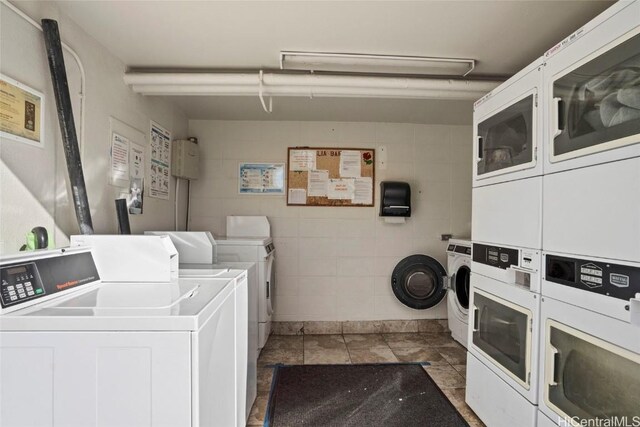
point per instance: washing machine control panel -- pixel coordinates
(495, 256)
(459, 249)
(19, 283)
(26, 281)
(605, 278)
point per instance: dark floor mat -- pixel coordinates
(358, 395)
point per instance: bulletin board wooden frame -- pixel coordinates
(328, 158)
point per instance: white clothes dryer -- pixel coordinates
(589, 366)
(591, 195)
(504, 312)
(459, 271)
(507, 170)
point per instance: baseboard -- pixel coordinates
(359, 327)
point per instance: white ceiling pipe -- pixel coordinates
(192, 78)
(273, 79)
(306, 91)
(307, 85)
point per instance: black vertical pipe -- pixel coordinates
(123, 216)
(67, 124)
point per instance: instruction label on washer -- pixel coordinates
(591, 275)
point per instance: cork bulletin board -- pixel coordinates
(324, 176)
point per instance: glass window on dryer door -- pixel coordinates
(596, 105)
(505, 139)
(589, 378)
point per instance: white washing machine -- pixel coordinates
(198, 255)
(592, 168)
(248, 240)
(459, 271)
(502, 363)
(75, 350)
(507, 171)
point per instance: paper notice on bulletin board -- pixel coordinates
(363, 191)
(318, 183)
(302, 160)
(350, 164)
(160, 176)
(340, 189)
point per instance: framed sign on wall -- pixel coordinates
(21, 112)
(261, 178)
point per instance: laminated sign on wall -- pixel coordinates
(261, 178)
(330, 176)
(160, 162)
(21, 112)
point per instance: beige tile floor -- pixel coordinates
(447, 360)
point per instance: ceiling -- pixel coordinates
(329, 109)
(503, 36)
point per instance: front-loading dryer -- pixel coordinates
(459, 271)
(589, 367)
(504, 312)
(591, 200)
(507, 172)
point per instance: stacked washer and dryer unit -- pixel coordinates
(554, 335)
(502, 359)
(590, 323)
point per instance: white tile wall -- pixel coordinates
(336, 263)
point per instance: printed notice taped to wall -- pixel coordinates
(160, 162)
(21, 112)
(135, 198)
(119, 160)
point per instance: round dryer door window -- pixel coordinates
(461, 286)
(418, 282)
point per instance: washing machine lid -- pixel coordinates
(243, 241)
(220, 270)
(180, 305)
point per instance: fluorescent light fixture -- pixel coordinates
(379, 64)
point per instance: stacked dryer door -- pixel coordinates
(592, 171)
(504, 304)
(459, 270)
(590, 325)
(507, 173)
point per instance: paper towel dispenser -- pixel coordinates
(395, 199)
